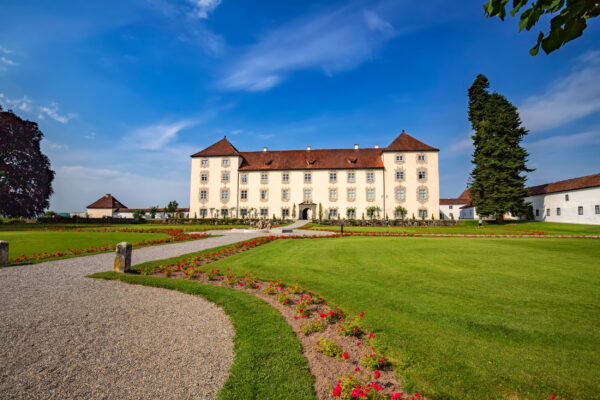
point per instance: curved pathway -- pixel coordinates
(66, 336)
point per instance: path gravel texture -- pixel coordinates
(63, 335)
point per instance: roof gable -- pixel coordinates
(107, 201)
(222, 148)
(405, 142)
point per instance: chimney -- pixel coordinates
(376, 146)
(307, 148)
(355, 147)
(264, 149)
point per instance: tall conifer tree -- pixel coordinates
(497, 182)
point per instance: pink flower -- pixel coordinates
(371, 336)
(396, 396)
(345, 355)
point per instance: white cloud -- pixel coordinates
(22, 104)
(332, 41)
(575, 96)
(52, 112)
(203, 7)
(266, 136)
(591, 138)
(54, 146)
(236, 131)
(155, 137)
(7, 61)
(462, 145)
(5, 50)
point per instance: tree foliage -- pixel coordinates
(568, 24)
(171, 209)
(497, 183)
(25, 174)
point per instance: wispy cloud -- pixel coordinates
(7, 61)
(462, 145)
(52, 112)
(22, 104)
(5, 50)
(331, 41)
(575, 96)
(55, 146)
(155, 137)
(203, 7)
(590, 138)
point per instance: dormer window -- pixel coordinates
(352, 160)
(269, 162)
(310, 162)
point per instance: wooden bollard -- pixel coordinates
(3, 253)
(123, 257)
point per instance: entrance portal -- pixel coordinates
(307, 210)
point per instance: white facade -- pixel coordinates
(451, 211)
(580, 206)
(225, 185)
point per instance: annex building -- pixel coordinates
(345, 182)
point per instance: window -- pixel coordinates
(332, 213)
(243, 212)
(224, 194)
(370, 194)
(399, 175)
(332, 194)
(597, 209)
(333, 177)
(399, 194)
(203, 212)
(422, 194)
(422, 174)
(537, 212)
(449, 207)
(351, 194)
(204, 177)
(285, 177)
(285, 194)
(566, 197)
(225, 162)
(547, 212)
(264, 212)
(351, 178)
(307, 194)
(422, 213)
(204, 162)
(399, 158)
(351, 213)
(244, 194)
(421, 157)
(225, 177)
(285, 212)
(224, 213)
(264, 178)
(307, 177)
(203, 194)
(580, 210)
(370, 177)
(244, 178)
(264, 194)
(558, 211)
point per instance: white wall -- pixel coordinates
(588, 198)
(454, 209)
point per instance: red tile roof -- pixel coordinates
(405, 142)
(582, 182)
(453, 201)
(314, 159)
(148, 210)
(107, 201)
(222, 148)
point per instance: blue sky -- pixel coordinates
(124, 94)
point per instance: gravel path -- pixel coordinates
(66, 336)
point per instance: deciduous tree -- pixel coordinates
(25, 174)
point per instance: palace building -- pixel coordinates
(346, 183)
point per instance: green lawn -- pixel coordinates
(268, 360)
(29, 242)
(461, 318)
(470, 227)
(187, 228)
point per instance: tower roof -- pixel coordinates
(405, 142)
(222, 148)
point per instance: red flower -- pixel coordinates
(377, 374)
(345, 355)
(337, 391)
(357, 369)
(361, 314)
(322, 315)
(358, 343)
(371, 336)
